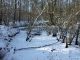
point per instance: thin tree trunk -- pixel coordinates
(15, 12)
(1, 13)
(32, 25)
(20, 11)
(76, 43)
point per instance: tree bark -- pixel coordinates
(1, 14)
(20, 11)
(76, 43)
(15, 12)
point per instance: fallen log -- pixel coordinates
(34, 47)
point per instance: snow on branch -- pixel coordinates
(37, 8)
(73, 15)
(77, 13)
(39, 15)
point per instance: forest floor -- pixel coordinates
(41, 47)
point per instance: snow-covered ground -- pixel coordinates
(41, 47)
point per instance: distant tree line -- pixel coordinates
(27, 10)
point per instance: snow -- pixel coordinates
(41, 47)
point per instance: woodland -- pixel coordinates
(59, 19)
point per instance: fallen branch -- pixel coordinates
(35, 47)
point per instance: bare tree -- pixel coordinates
(1, 14)
(19, 10)
(15, 7)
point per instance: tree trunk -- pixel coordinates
(15, 12)
(1, 13)
(76, 43)
(55, 31)
(20, 11)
